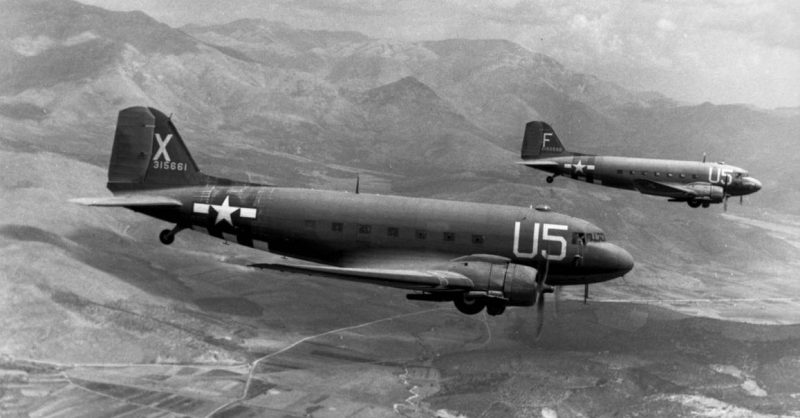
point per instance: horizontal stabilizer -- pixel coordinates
(538, 163)
(127, 200)
(426, 280)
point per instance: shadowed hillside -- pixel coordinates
(422, 118)
(188, 330)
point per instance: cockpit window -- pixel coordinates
(597, 237)
(582, 238)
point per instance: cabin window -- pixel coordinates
(644, 173)
(669, 174)
(420, 234)
(478, 239)
(633, 171)
(337, 227)
(310, 224)
(683, 176)
(364, 229)
(579, 238)
(694, 176)
(392, 232)
(449, 236)
(619, 171)
(657, 174)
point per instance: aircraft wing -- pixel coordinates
(663, 189)
(128, 200)
(424, 280)
(539, 163)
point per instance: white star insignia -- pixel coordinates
(579, 167)
(224, 211)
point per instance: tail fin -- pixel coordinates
(148, 153)
(541, 141)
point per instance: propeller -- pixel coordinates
(557, 299)
(541, 289)
(725, 194)
(358, 180)
(704, 157)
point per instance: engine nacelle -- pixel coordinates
(707, 192)
(513, 282)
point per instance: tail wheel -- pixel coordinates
(706, 204)
(469, 305)
(549, 179)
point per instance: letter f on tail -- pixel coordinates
(540, 141)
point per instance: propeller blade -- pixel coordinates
(358, 181)
(557, 297)
(585, 292)
(546, 269)
(539, 314)
(704, 157)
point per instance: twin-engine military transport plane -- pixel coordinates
(476, 255)
(694, 182)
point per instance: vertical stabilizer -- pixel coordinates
(148, 153)
(540, 141)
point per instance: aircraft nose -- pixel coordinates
(752, 184)
(607, 260)
(618, 259)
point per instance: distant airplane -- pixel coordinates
(694, 182)
(475, 255)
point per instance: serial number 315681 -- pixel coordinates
(170, 165)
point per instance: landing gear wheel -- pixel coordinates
(166, 237)
(549, 179)
(495, 308)
(706, 204)
(469, 305)
(694, 203)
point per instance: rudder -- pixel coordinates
(540, 140)
(148, 153)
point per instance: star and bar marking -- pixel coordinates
(224, 211)
(579, 166)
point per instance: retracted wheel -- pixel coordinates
(706, 204)
(694, 203)
(469, 305)
(166, 237)
(495, 308)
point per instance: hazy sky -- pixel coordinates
(723, 51)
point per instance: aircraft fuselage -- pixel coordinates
(342, 228)
(637, 173)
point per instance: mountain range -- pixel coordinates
(268, 102)
(299, 107)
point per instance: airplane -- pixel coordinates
(475, 255)
(698, 183)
